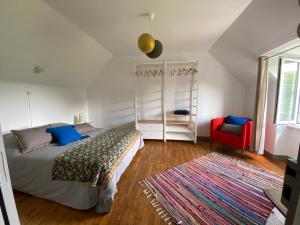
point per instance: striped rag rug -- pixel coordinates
(213, 189)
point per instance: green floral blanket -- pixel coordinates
(93, 160)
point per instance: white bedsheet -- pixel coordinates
(31, 173)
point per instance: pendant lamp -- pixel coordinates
(146, 42)
(156, 52)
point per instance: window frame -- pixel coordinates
(296, 117)
(298, 110)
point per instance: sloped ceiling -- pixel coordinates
(74, 40)
(263, 26)
(32, 33)
(182, 26)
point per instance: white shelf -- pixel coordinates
(180, 136)
(179, 122)
(178, 129)
(178, 115)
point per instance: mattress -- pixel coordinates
(31, 173)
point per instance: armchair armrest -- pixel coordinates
(215, 125)
(247, 134)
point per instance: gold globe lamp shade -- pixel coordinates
(146, 42)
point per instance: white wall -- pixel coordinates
(250, 100)
(220, 93)
(287, 141)
(49, 105)
(110, 98)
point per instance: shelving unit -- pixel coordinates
(163, 124)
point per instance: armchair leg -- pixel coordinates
(242, 152)
(211, 145)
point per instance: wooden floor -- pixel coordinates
(131, 206)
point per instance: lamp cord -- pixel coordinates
(29, 107)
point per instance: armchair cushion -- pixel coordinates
(230, 128)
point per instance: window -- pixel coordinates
(288, 92)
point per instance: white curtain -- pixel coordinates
(261, 148)
(261, 105)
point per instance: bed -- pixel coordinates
(34, 173)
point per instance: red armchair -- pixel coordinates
(242, 141)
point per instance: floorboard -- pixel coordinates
(130, 206)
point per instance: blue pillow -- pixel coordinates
(182, 112)
(236, 120)
(64, 134)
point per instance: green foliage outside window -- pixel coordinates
(288, 96)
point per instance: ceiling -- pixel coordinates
(181, 25)
(263, 26)
(32, 33)
(74, 40)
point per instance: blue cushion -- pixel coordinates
(64, 134)
(236, 120)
